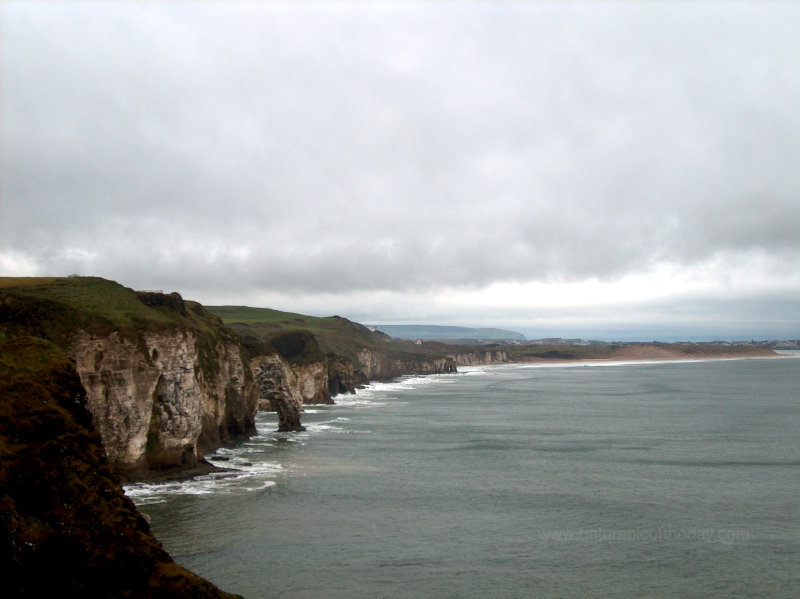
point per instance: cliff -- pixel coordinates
(66, 527)
(161, 414)
(313, 359)
(165, 380)
(479, 357)
(383, 366)
(278, 390)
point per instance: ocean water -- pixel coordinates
(667, 479)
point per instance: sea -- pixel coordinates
(604, 479)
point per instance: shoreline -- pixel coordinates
(630, 360)
(633, 353)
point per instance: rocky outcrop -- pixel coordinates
(155, 406)
(285, 387)
(479, 358)
(312, 382)
(278, 390)
(165, 380)
(66, 527)
(342, 377)
(381, 367)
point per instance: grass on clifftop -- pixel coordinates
(56, 308)
(334, 334)
(64, 304)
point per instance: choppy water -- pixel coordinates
(620, 480)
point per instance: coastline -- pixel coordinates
(634, 359)
(478, 426)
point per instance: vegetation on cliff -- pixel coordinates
(66, 527)
(56, 308)
(166, 380)
(261, 328)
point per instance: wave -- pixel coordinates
(368, 394)
(239, 477)
(243, 469)
(328, 425)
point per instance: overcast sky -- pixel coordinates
(591, 169)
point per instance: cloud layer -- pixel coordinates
(407, 156)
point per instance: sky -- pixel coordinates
(603, 170)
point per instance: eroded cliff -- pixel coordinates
(480, 357)
(165, 380)
(291, 369)
(382, 366)
(278, 390)
(157, 410)
(66, 527)
(321, 357)
(285, 387)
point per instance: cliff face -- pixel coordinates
(66, 527)
(381, 367)
(286, 387)
(478, 358)
(165, 380)
(154, 407)
(328, 356)
(312, 382)
(342, 377)
(278, 390)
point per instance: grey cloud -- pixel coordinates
(334, 147)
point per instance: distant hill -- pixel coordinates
(431, 332)
(259, 327)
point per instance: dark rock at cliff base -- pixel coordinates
(66, 527)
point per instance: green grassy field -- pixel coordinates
(57, 308)
(334, 334)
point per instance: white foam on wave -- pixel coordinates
(374, 394)
(473, 370)
(363, 398)
(379, 391)
(318, 426)
(146, 493)
(329, 425)
(240, 475)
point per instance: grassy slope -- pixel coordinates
(334, 334)
(55, 308)
(86, 301)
